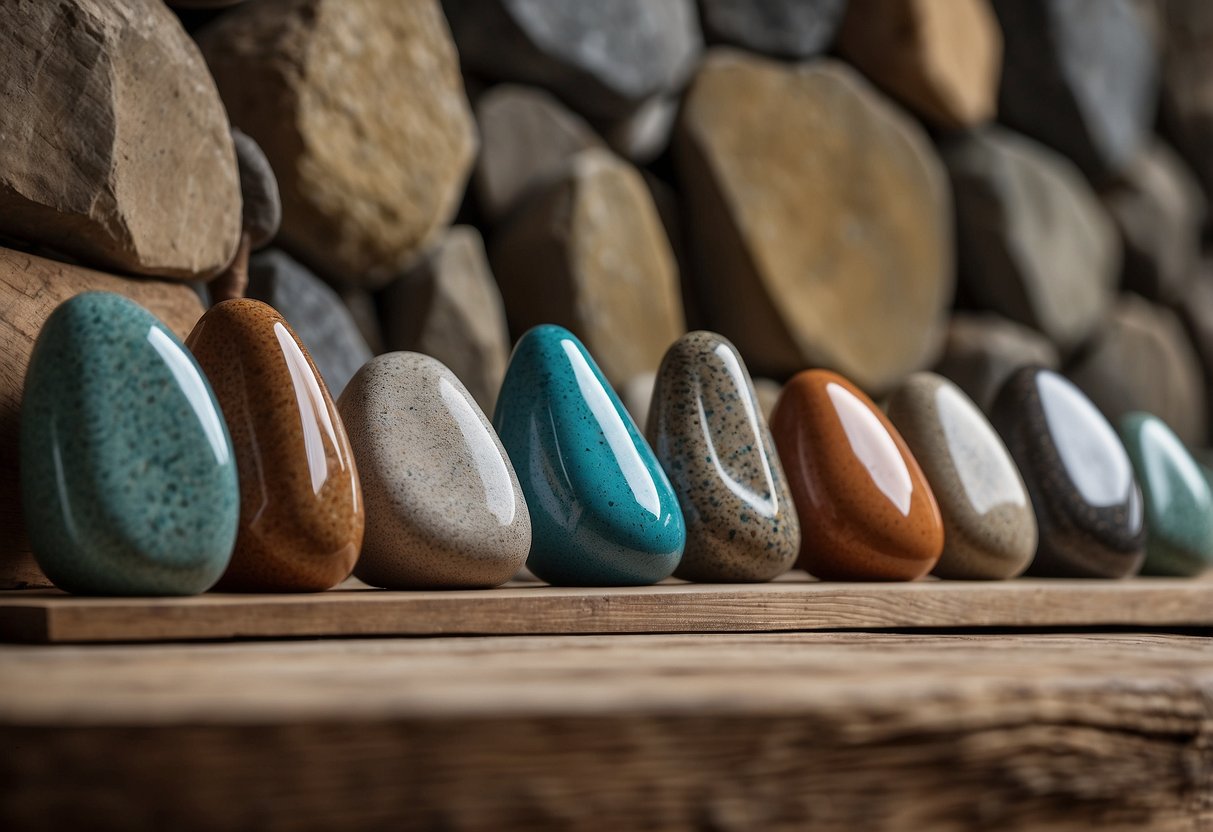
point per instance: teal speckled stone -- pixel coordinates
(1178, 500)
(603, 512)
(128, 482)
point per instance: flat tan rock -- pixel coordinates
(591, 255)
(30, 289)
(448, 307)
(359, 107)
(941, 58)
(115, 144)
(814, 248)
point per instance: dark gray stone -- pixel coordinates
(1087, 502)
(1187, 81)
(1034, 242)
(1142, 359)
(1159, 210)
(258, 189)
(783, 28)
(1080, 76)
(314, 311)
(981, 351)
(603, 58)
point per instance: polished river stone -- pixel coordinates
(709, 433)
(989, 525)
(444, 509)
(866, 510)
(603, 512)
(1088, 505)
(128, 480)
(1178, 501)
(301, 516)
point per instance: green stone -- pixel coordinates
(1178, 499)
(128, 482)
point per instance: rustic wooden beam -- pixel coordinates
(829, 731)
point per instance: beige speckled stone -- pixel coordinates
(443, 504)
(713, 442)
(989, 525)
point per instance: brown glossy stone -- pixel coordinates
(301, 515)
(866, 510)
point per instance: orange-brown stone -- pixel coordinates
(301, 515)
(866, 510)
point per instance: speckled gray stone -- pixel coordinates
(443, 504)
(989, 525)
(711, 437)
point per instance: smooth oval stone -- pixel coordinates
(989, 525)
(603, 512)
(1087, 503)
(443, 505)
(1178, 500)
(866, 510)
(127, 476)
(711, 438)
(301, 517)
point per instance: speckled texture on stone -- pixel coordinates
(1088, 505)
(866, 510)
(443, 505)
(989, 524)
(127, 474)
(301, 516)
(1178, 500)
(603, 512)
(711, 438)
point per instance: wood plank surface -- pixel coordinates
(829, 731)
(790, 604)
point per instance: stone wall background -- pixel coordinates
(873, 186)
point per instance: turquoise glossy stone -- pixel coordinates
(1178, 500)
(603, 512)
(128, 482)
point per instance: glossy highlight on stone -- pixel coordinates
(989, 524)
(1087, 502)
(443, 505)
(301, 516)
(711, 438)
(1178, 500)
(128, 481)
(603, 512)
(866, 510)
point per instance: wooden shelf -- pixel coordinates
(46, 616)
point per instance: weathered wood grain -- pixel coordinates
(793, 604)
(30, 289)
(829, 731)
